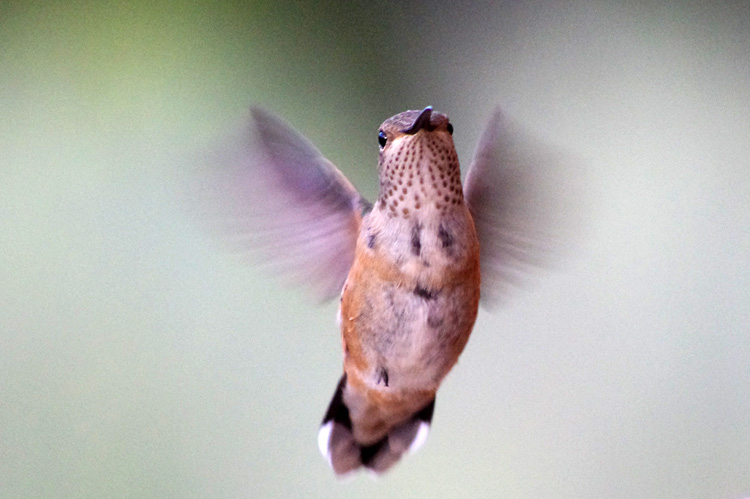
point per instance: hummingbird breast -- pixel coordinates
(407, 310)
(411, 298)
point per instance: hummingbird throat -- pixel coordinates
(419, 174)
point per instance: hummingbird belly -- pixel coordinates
(406, 316)
(416, 335)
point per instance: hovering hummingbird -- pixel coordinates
(408, 267)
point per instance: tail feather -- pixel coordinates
(345, 454)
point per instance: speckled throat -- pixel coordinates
(419, 172)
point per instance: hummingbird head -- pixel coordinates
(418, 165)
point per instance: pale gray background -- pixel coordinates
(139, 358)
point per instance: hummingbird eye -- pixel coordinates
(382, 139)
(450, 129)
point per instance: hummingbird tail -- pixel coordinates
(344, 454)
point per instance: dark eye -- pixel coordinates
(382, 139)
(450, 129)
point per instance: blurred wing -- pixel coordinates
(278, 197)
(516, 189)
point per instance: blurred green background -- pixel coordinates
(141, 359)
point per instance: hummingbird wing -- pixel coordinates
(516, 189)
(281, 199)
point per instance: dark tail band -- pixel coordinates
(345, 454)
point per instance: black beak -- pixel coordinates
(422, 122)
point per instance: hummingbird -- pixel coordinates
(409, 269)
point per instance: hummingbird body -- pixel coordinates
(408, 311)
(410, 299)
(407, 268)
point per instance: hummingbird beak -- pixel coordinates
(422, 122)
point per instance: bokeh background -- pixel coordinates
(140, 358)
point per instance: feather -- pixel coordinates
(520, 193)
(274, 194)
